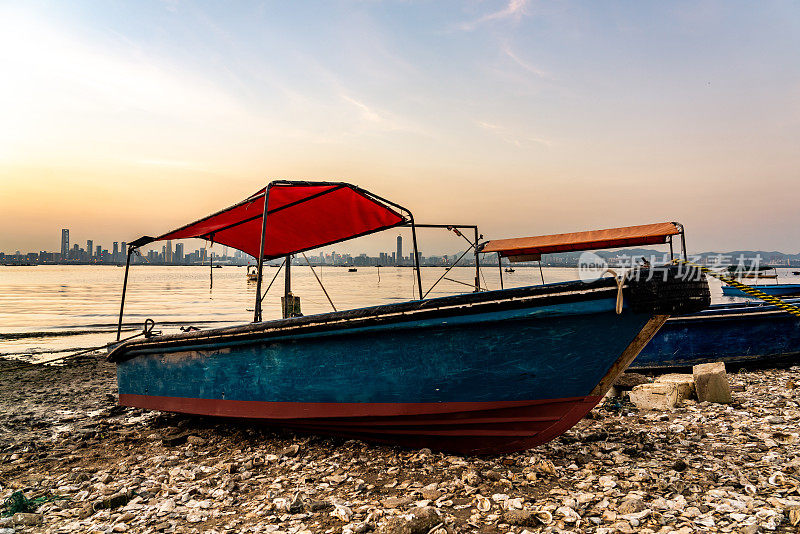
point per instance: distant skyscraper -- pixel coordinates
(89, 247)
(168, 252)
(115, 251)
(399, 256)
(64, 243)
(123, 248)
(178, 256)
(98, 253)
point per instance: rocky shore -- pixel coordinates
(97, 467)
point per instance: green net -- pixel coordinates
(18, 502)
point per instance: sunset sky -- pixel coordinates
(119, 119)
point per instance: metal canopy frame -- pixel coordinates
(474, 245)
(669, 240)
(257, 316)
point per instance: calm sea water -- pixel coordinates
(48, 310)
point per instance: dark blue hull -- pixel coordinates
(489, 372)
(737, 334)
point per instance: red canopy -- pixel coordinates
(300, 216)
(628, 236)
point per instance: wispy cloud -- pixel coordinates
(68, 92)
(65, 74)
(489, 126)
(169, 163)
(513, 11)
(171, 5)
(506, 48)
(380, 120)
(511, 137)
(367, 113)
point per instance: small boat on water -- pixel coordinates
(737, 334)
(746, 271)
(352, 270)
(776, 289)
(510, 269)
(252, 273)
(482, 372)
(761, 276)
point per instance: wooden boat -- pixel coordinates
(352, 270)
(252, 273)
(776, 289)
(485, 372)
(737, 334)
(757, 276)
(509, 269)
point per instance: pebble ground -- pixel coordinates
(697, 468)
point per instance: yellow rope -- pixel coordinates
(750, 290)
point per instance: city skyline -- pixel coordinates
(73, 253)
(524, 118)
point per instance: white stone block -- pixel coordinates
(655, 396)
(685, 383)
(711, 383)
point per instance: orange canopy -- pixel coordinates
(628, 236)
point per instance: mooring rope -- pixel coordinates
(147, 331)
(744, 288)
(620, 284)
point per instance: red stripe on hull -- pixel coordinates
(465, 427)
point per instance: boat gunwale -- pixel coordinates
(729, 314)
(467, 304)
(758, 361)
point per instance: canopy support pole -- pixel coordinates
(257, 313)
(500, 265)
(124, 288)
(416, 255)
(287, 288)
(683, 244)
(541, 273)
(462, 283)
(273, 280)
(445, 274)
(477, 264)
(320, 281)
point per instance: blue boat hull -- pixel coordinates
(479, 374)
(736, 334)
